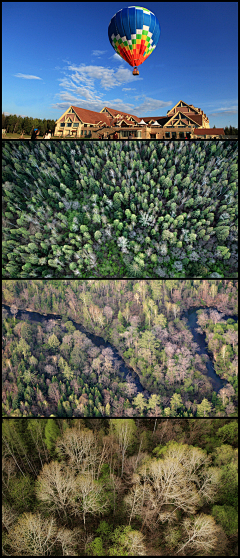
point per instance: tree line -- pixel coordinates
(18, 124)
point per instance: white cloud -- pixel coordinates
(223, 112)
(83, 86)
(152, 105)
(98, 52)
(25, 76)
(107, 77)
(116, 57)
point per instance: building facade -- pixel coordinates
(183, 121)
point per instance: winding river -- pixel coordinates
(96, 339)
(200, 339)
(191, 317)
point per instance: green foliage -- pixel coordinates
(21, 493)
(52, 432)
(103, 199)
(104, 530)
(95, 548)
(229, 433)
(227, 517)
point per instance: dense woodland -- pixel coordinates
(120, 487)
(51, 368)
(131, 209)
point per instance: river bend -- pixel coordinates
(125, 370)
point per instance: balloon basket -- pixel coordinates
(135, 72)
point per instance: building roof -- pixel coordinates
(195, 117)
(91, 117)
(115, 112)
(209, 131)
(112, 117)
(179, 107)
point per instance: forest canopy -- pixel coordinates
(120, 348)
(120, 487)
(110, 209)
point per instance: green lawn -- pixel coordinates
(27, 137)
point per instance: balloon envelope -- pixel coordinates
(134, 33)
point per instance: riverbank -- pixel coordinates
(99, 341)
(125, 369)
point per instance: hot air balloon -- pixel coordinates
(134, 33)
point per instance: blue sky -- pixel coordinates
(58, 54)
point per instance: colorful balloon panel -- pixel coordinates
(134, 33)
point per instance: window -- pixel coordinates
(75, 125)
(62, 125)
(69, 124)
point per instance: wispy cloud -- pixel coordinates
(26, 76)
(85, 86)
(225, 110)
(107, 77)
(98, 52)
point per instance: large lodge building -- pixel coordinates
(182, 121)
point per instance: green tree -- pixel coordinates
(53, 341)
(204, 409)
(127, 542)
(227, 517)
(52, 432)
(140, 402)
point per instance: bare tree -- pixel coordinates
(14, 310)
(81, 449)
(181, 480)
(9, 516)
(33, 535)
(67, 540)
(108, 312)
(201, 534)
(56, 486)
(90, 496)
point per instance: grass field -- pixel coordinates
(26, 137)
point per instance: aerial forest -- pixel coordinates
(120, 348)
(110, 209)
(120, 487)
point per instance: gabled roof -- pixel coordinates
(178, 105)
(114, 113)
(186, 116)
(85, 116)
(90, 117)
